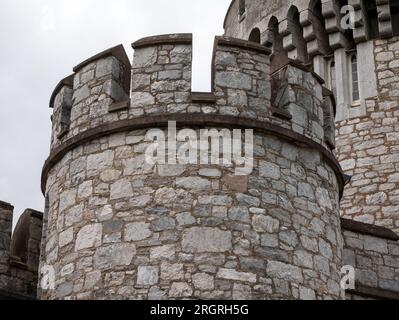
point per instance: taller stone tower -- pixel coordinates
(359, 60)
(118, 226)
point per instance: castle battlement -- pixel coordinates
(248, 89)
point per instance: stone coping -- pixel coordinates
(66, 82)
(178, 38)
(368, 229)
(188, 120)
(34, 213)
(118, 52)
(376, 293)
(6, 205)
(243, 44)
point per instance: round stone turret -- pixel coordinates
(120, 226)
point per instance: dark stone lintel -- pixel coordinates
(369, 229)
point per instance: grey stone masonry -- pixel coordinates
(368, 147)
(19, 254)
(119, 227)
(6, 211)
(376, 262)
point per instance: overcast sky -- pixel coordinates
(42, 40)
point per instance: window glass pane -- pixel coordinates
(355, 80)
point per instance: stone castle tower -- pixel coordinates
(116, 226)
(120, 227)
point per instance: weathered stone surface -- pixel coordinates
(193, 183)
(231, 274)
(180, 290)
(269, 170)
(142, 99)
(67, 199)
(147, 275)
(89, 236)
(172, 271)
(104, 213)
(65, 237)
(185, 219)
(203, 281)
(215, 200)
(121, 189)
(99, 162)
(114, 255)
(234, 80)
(199, 240)
(166, 252)
(262, 224)
(137, 231)
(171, 196)
(284, 271)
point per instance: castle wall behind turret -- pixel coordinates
(368, 146)
(374, 253)
(19, 254)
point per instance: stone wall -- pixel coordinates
(118, 227)
(374, 252)
(367, 147)
(19, 254)
(6, 211)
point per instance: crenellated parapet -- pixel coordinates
(88, 97)
(98, 97)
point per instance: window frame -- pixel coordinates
(353, 54)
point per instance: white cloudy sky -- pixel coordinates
(40, 42)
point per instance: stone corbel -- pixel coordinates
(332, 15)
(361, 31)
(314, 34)
(384, 19)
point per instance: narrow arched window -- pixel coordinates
(242, 8)
(355, 79)
(255, 36)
